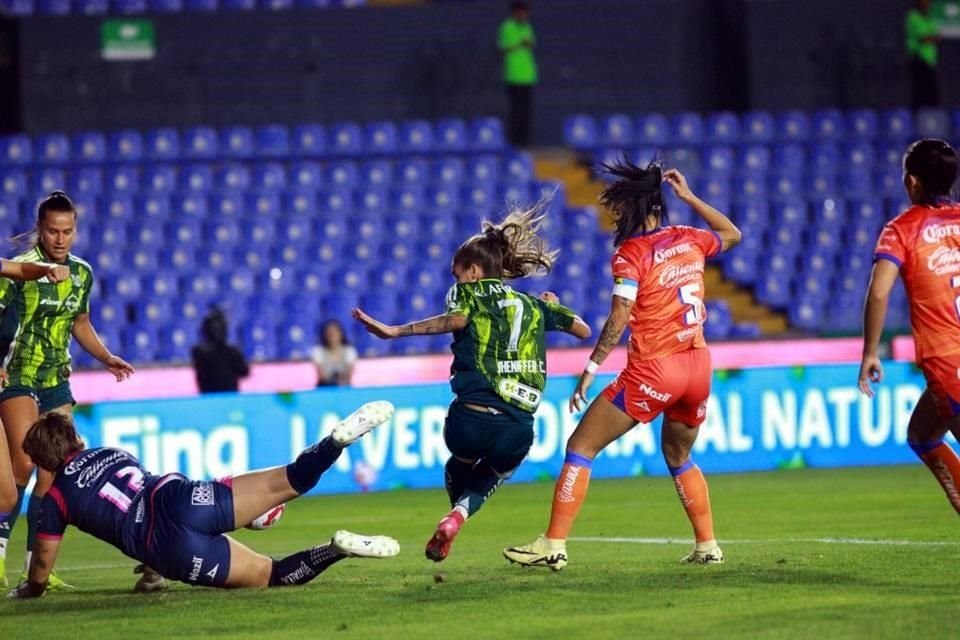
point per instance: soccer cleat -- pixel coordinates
(438, 547)
(361, 422)
(150, 581)
(54, 582)
(539, 553)
(710, 556)
(360, 546)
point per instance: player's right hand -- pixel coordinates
(58, 272)
(375, 327)
(871, 371)
(578, 401)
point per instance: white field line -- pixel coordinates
(853, 541)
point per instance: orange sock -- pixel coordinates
(945, 466)
(569, 494)
(692, 489)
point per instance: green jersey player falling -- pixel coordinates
(499, 361)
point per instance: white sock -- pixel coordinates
(462, 510)
(707, 545)
(3, 548)
(555, 543)
(26, 562)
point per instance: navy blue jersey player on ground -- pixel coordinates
(177, 525)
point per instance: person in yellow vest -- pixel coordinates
(516, 42)
(922, 34)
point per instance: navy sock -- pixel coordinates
(455, 477)
(10, 519)
(304, 472)
(481, 484)
(304, 566)
(33, 520)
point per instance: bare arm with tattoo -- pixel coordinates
(41, 564)
(613, 328)
(446, 323)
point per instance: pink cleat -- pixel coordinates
(438, 548)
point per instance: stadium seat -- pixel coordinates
(616, 130)
(346, 139)
(580, 132)
(50, 149)
(518, 168)
(793, 127)
(483, 170)
(687, 129)
(49, 179)
(653, 129)
(486, 134)
(309, 140)
(154, 205)
(129, 7)
(381, 138)
(897, 125)
(862, 124)
(85, 181)
(758, 127)
(194, 205)
(829, 212)
(719, 321)
(306, 175)
(13, 183)
(233, 177)
(162, 144)
(807, 313)
(89, 147)
(122, 179)
(196, 177)
(785, 186)
(342, 174)
(269, 177)
(200, 143)
(723, 128)
(448, 170)
(335, 201)
(118, 206)
(416, 136)
(53, 7)
(277, 5)
(828, 125)
(719, 160)
(932, 123)
(450, 136)
(301, 203)
(237, 142)
(227, 204)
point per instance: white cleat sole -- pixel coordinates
(360, 546)
(361, 422)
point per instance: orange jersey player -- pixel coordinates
(923, 246)
(658, 271)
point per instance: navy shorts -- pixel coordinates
(185, 522)
(47, 399)
(501, 439)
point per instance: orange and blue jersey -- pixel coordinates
(662, 271)
(924, 242)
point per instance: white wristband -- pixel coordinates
(591, 367)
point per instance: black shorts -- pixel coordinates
(502, 439)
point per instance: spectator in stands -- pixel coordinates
(219, 365)
(516, 42)
(922, 36)
(334, 357)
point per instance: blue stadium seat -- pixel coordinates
(13, 182)
(416, 136)
(412, 171)
(148, 233)
(16, 8)
(857, 184)
(160, 178)
(139, 343)
(407, 199)
(719, 321)
(202, 286)
(309, 140)
(740, 267)
(335, 201)
(252, 257)
(889, 182)
(154, 205)
(773, 289)
(166, 6)
(47, 179)
(260, 231)
(789, 157)
(825, 157)
(824, 238)
(259, 340)
(122, 179)
(301, 203)
(861, 237)
(125, 288)
(226, 232)
(306, 175)
(233, 177)
(746, 187)
(616, 130)
(442, 199)
(859, 156)
(786, 186)
(269, 176)
(85, 181)
(200, 143)
(342, 175)
(687, 129)
(483, 170)
(686, 159)
(752, 213)
(227, 204)
(376, 173)
(217, 260)
(50, 149)
(807, 313)
(129, 7)
(793, 126)
(89, 147)
(641, 156)
(237, 142)
(175, 341)
(486, 134)
(371, 201)
(480, 196)
(862, 124)
(828, 125)
(381, 138)
(830, 212)
(822, 185)
(867, 210)
(53, 7)
(897, 125)
(119, 206)
(179, 259)
(719, 159)
(653, 129)
(92, 7)
(296, 231)
(277, 5)
(162, 144)
(152, 312)
(716, 187)
(9, 211)
(437, 227)
(723, 128)
(758, 127)
(580, 132)
(186, 231)
(449, 170)
(196, 177)
(346, 139)
(107, 263)
(194, 205)
(518, 168)
(403, 228)
(450, 135)
(516, 194)
(932, 123)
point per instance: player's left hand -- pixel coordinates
(871, 370)
(375, 327)
(578, 401)
(27, 589)
(120, 368)
(550, 296)
(679, 183)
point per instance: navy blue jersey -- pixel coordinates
(100, 491)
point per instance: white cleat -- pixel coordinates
(539, 553)
(710, 556)
(360, 546)
(361, 422)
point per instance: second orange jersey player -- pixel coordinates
(922, 245)
(658, 289)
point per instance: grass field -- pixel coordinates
(795, 569)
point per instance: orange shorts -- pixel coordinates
(943, 381)
(677, 385)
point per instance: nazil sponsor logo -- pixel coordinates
(937, 232)
(944, 260)
(195, 570)
(662, 255)
(653, 393)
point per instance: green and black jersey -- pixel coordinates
(38, 356)
(500, 356)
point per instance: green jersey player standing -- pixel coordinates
(499, 361)
(37, 361)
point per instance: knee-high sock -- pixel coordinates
(570, 492)
(455, 475)
(8, 520)
(304, 472)
(481, 484)
(945, 466)
(692, 489)
(33, 519)
(304, 566)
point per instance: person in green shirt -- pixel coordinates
(36, 365)
(516, 42)
(499, 361)
(922, 34)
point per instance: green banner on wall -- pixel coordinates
(127, 40)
